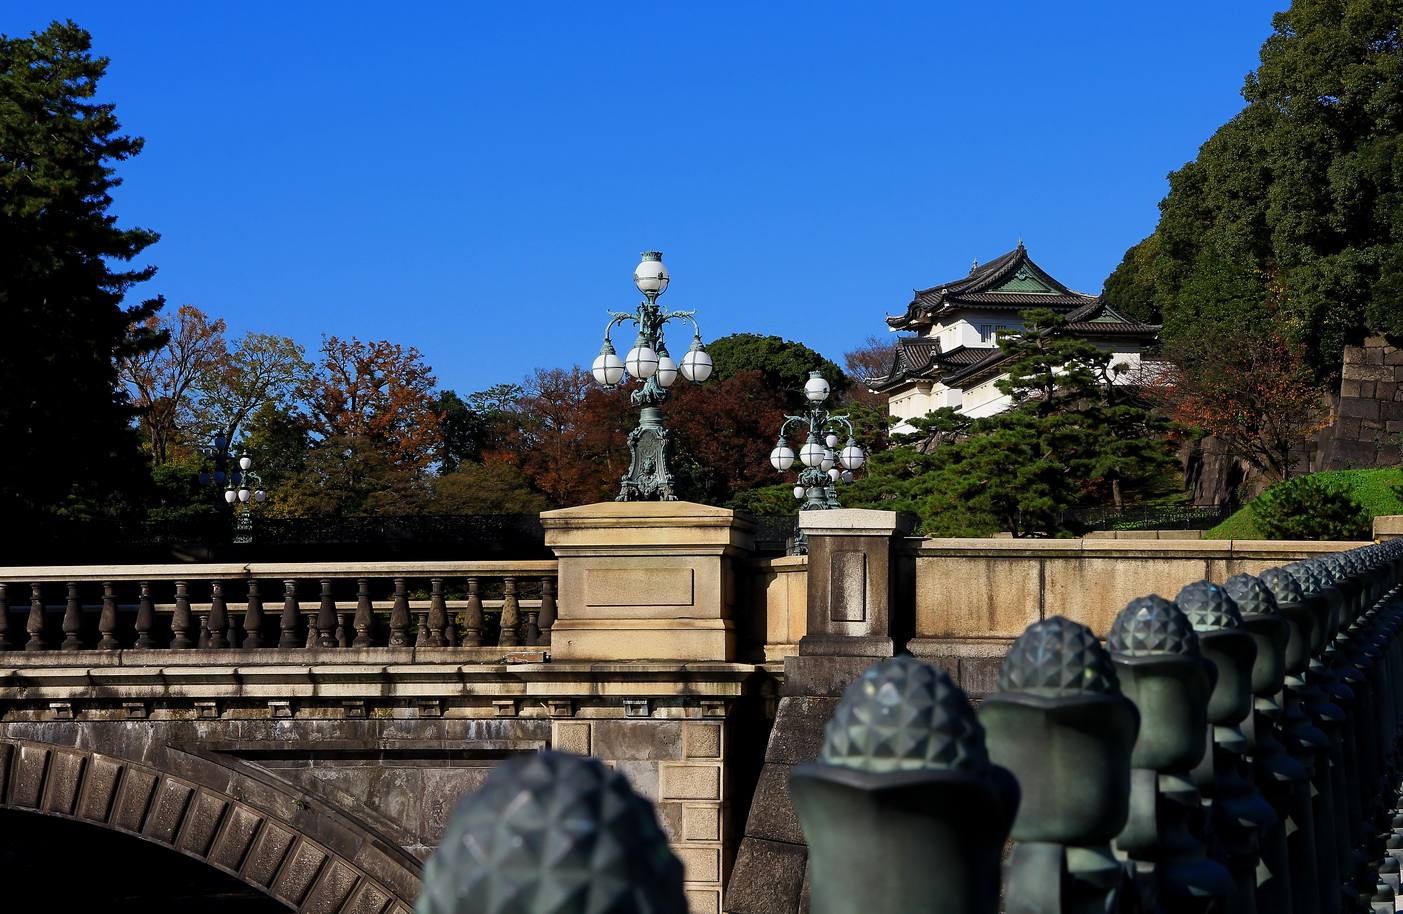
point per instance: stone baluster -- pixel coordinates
(555, 858)
(326, 616)
(218, 617)
(1058, 705)
(511, 615)
(399, 615)
(145, 618)
(422, 637)
(1162, 671)
(35, 623)
(72, 620)
(548, 611)
(253, 617)
(5, 644)
(1237, 811)
(437, 619)
(342, 638)
(472, 616)
(903, 810)
(181, 620)
(291, 618)
(1274, 772)
(365, 616)
(107, 622)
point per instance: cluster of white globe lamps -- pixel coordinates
(643, 361)
(243, 493)
(822, 454)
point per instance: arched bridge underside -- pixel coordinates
(300, 851)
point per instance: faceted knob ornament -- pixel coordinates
(1058, 657)
(553, 833)
(1283, 585)
(1149, 626)
(904, 715)
(1209, 607)
(1253, 598)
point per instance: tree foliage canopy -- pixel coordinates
(63, 416)
(1303, 187)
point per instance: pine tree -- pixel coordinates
(64, 419)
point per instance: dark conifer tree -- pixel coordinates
(66, 445)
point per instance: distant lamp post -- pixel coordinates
(825, 464)
(649, 476)
(240, 487)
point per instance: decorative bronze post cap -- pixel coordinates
(1308, 576)
(1152, 625)
(904, 715)
(1283, 585)
(1209, 607)
(1058, 657)
(1253, 598)
(553, 833)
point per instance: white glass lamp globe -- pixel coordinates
(641, 361)
(829, 459)
(650, 276)
(831, 440)
(696, 364)
(231, 496)
(259, 495)
(781, 458)
(852, 456)
(847, 476)
(816, 388)
(835, 474)
(608, 368)
(245, 462)
(244, 495)
(798, 491)
(667, 369)
(812, 454)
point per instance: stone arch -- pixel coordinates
(314, 860)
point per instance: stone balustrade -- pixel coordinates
(489, 605)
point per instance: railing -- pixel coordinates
(280, 606)
(1149, 517)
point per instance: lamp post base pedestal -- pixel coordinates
(649, 476)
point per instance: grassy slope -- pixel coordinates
(1373, 488)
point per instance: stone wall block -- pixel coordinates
(298, 874)
(689, 781)
(368, 898)
(701, 822)
(700, 863)
(267, 854)
(703, 901)
(65, 779)
(1354, 408)
(99, 789)
(1349, 387)
(573, 736)
(168, 812)
(701, 741)
(768, 878)
(27, 781)
(235, 838)
(336, 882)
(772, 814)
(133, 797)
(206, 814)
(637, 740)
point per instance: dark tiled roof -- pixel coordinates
(980, 290)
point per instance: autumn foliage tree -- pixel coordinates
(161, 381)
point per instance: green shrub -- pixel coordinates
(1311, 508)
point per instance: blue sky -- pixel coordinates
(476, 179)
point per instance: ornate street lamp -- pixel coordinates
(825, 465)
(237, 489)
(649, 476)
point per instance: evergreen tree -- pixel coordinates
(64, 419)
(1301, 191)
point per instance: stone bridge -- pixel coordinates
(307, 729)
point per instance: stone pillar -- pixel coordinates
(852, 579)
(646, 580)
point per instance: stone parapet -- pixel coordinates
(646, 580)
